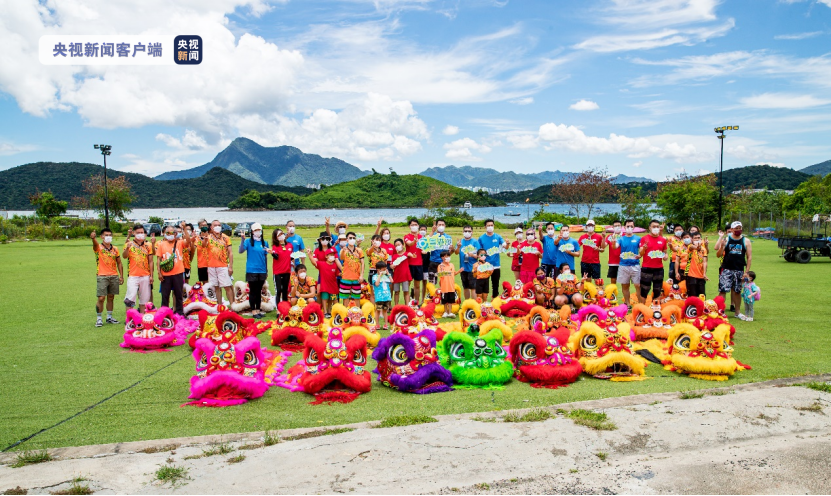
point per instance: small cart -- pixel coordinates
(800, 248)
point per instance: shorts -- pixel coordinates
(481, 286)
(255, 276)
(696, 286)
(612, 272)
(328, 296)
(652, 277)
(431, 273)
(448, 298)
(350, 289)
(527, 276)
(569, 298)
(515, 267)
(137, 286)
(219, 277)
(592, 269)
(730, 280)
(382, 305)
(629, 273)
(202, 274)
(550, 270)
(417, 271)
(107, 285)
(468, 281)
(401, 286)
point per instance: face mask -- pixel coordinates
(341, 230)
(440, 229)
(376, 244)
(446, 259)
(281, 237)
(301, 275)
(550, 232)
(423, 233)
(108, 239)
(399, 247)
(489, 229)
(330, 259)
(697, 242)
(518, 235)
(541, 277)
(678, 234)
(291, 229)
(468, 235)
(590, 228)
(385, 237)
(482, 258)
(140, 237)
(737, 232)
(258, 234)
(324, 242)
(687, 241)
(351, 242)
(617, 229)
(179, 235)
(530, 237)
(564, 234)
(168, 237)
(217, 229)
(413, 228)
(566, 272)
(629, 229)
(656, 230)
(343, 243)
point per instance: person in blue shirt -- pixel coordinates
(296, 241)
(256, 268)
(435, 255)
(466, 261)
(566, 248)
(549, 250)
(629, 270)
(493, 244)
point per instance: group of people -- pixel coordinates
(397, 270)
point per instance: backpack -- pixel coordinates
(758, 295)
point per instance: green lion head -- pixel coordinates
(476, 361)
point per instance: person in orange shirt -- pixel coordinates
(352, 259)
(110, 274)
(695, 273)
(220, 261)
(139, 255)
(190, 252)
(202, 253)
(447, 283)
(170, 260)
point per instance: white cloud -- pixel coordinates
(584, 105)
(523, 141)
(637, 164)
(190, 141)
(450, 130)
(783, 101)
(8, 148)
(464, 148)
(656, 39)
(797, 36)
(523, 101)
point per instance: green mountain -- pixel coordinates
(493, 180)
(376, 190)
(762, 177)
(283, 165)
(214, 189)
(822, 168)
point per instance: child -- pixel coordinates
(482, 271)
(329, 269)
(401, 275)
(447, 283)
(695, 273)
(376, 253)
(750, 293)
(568, 288)
(381, 282)
(304, 287)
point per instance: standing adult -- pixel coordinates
(415, 261)
(170, 259)
(110, 274)
(386, 239)
(653, 249)
(281, 252)
(738, 254)
(630, 260)
(566, 249)
(202, 252)
(549, 250)
(256, 268)
(139, 254)
(531, 254)
(220, 260)
(493, 244)
(352, 275)
(188, 255)
(592, 244)
(516, 252)
(435, 255)
(296, 242)
(677, 247)
(614, 251)
(467, 247)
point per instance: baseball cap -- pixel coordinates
(517, 230)
(256, 227)
(590, 222)
(735, 225)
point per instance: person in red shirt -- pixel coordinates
(329, 269)
(386, 238)
(531, 253)
(400, 264)
(653, 250)
(592, 244)
(281, 264)
(516, 256)
(614, 251)
(415, 262)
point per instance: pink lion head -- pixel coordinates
(227, 372)
(155, 329)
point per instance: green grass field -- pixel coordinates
(58, 364)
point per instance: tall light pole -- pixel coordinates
(105, 150)
(720, 131)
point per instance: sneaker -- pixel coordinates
(111, 320)
(741, 316)
(99, 323)
(327, 316)
(748, 319)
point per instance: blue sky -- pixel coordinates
(633, 85)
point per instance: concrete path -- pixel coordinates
(756, 438)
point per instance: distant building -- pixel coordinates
(751, 191)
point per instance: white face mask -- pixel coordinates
(590, 228)
(656, 230)
(489, 229)
(291, 229)
(301, 275)
(617, 229)
(281, 237)
(168, 237)
(440, 229)
(376, 243)
(343, 243)
(179, 235)
(423, 233)
(108, 239)
(630, 229)
(678, 234)
(518, 235)
(400, 247)
(350, 242)
(413, 228)
(385, 237)
(217, 229)
(687, 241)
(468, 235)
(529, 237)
(550, 232)
(446, 259)
(341, 230)
(140, 237)
(564, 234)
(258, 234)
(330, 259)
